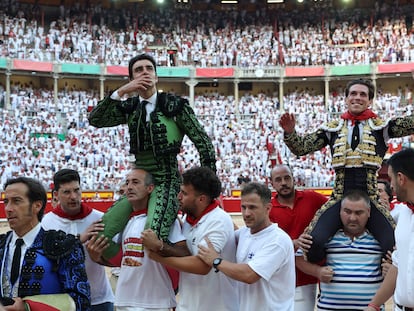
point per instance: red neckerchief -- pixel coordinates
(84, 211)
(140, 212)
(367, 114)
(193, 221)
(410, 206)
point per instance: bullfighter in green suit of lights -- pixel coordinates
(157, 125)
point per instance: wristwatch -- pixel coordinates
(216, 262)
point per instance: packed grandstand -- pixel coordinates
(44, 123)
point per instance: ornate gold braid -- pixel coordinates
(301, 145)
(338, 192)
(400, 127)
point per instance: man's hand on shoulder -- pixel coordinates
(94, 229)
(96, 246)
(150, 241)
(207, 254)
(304, 242)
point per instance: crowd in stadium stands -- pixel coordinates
(209, 38)
(32, 144)
(32, 141)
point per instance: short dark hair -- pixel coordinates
(203, 180)
(366, 82)
(387, 188)
(148, 179)
(134, 59)
(64, 176)
(403, 162)
(260, 189)
(356, 195)
(35, 191)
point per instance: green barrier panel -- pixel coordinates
(350, 70)
(3, 63)
(82, 69)
(61, 137)
(173, 72)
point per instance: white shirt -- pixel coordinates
(143, 283)
(269, 253)
(395, 213)
(214, 290)
(28, 240)
(150, 107)
(403, 258)
(101, 290)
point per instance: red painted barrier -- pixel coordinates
(229, 204)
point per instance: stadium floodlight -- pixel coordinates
(300, 1)
(229, 1)
(275, 1)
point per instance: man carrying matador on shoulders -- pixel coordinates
(358, 143)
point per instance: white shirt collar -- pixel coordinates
(150, 107)
(29, 237)
(152, 100)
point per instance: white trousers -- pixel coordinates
(305, 297)
(139, 309)
(396, 308)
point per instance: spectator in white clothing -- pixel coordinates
(265, 265)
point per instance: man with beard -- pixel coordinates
(201, 287)
(400, 277)
(264, 264)
(292, 210)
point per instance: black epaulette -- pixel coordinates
(170, 105)
(57, 244)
